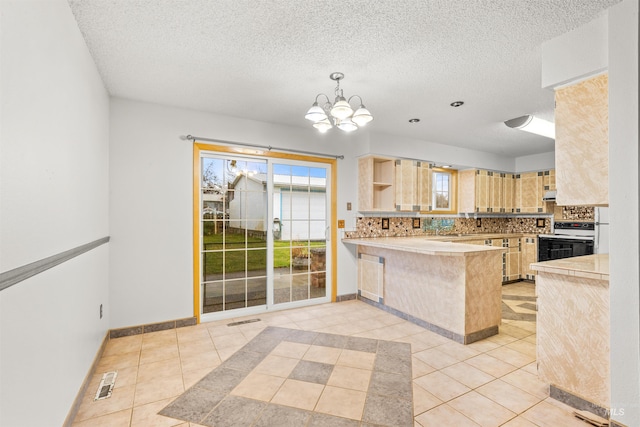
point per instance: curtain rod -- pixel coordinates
(268, 147)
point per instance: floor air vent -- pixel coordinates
(106, 385)
(243, 322)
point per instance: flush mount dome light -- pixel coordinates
(534, 125)
(339, 114)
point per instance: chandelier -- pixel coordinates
(339, 114)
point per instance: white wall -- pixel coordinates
(391, 145)
(576, 55)
(536, 162)
(151, 201)
(53, 197)
(624, 210)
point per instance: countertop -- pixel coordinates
(427, 245)
(588, 266)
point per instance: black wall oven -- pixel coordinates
(558, 247)
(569, 239)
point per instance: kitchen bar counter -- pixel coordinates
(430, 245)
(453, 289)
(573, 330)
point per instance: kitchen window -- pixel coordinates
(443, 194)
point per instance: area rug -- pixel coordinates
(288, 377)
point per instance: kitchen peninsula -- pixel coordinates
(453, 289)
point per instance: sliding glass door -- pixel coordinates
(264, 226)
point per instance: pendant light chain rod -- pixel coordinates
(267, 147)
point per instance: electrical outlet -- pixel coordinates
(101, 311)
(341, 223)
(348, 206)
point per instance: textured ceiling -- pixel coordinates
(267, 60)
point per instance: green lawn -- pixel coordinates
(254, 250)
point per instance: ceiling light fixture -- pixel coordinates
(533, 124)
(414, 120)
(340, 113)
(457, 104)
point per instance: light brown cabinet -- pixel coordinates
(529, 192)
(582, 143)
(376, 176)
(529, 247)
(413, 185)
(509, 192)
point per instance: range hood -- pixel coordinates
(549, 196)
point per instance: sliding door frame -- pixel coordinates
(223, 149)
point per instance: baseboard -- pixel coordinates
(577, 402)
(152, 327)
(71, 416)
(345, 297)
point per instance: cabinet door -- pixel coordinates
(467, 191)
(508, 192)
(582, 143)
(497, 187)
(483, 190)
(529, 256)
(529, 191)
(406, 185)
(365, 184)
(513, 260)
(425, 173)
(549, 180)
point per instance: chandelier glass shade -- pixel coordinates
(340, 113)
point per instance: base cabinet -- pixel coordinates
(529, 246)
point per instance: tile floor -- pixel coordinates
(492, 382)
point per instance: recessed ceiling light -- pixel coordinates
(445, 166)
(414, 120)
(457, 103)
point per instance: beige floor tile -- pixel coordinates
(276, 319)
(511, 356)
(193, 333)
(258, 386)
(436, 358)
(159, 339)
(520, 422)
(502, 339)
(350, 378)
(163, 368)
(491, 365)
(342, 402)
(203, 360)
(121, 418)
(442, 386)
(423, 400)
(431, 339)
(531, 368)
(231, 340)
(514, 331)
(416, 343)
(483, 345)
(483, 411)
(121, 399)
(531, 338)
(356, 359)
(123, 345)
(545, 414)
(444, 415)
(155, 354)
(322, 354)
(293, 350)
(419, 368)
(147, 415)
(126, 376)
(467, 374)
(457, 351)
(251, 334)
(278, 366)
(298, 394)
(158, 389)
(196, 347)
(311, 324)
(190, 378)
(217, 330)
(527, 382)
(344, 329)
(118, 361)
(524, 347)
(225, 353)
(509, 396)
(522, 324)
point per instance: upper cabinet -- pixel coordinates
(376, 176)
(582, 143)
(483, 191)
(413, 185)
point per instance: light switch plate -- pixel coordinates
(341, 223)
(348, 206)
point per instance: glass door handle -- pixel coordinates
(327, 234)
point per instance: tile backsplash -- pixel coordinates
(404, 226)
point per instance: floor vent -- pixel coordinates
(106, 385)
(243, 322)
